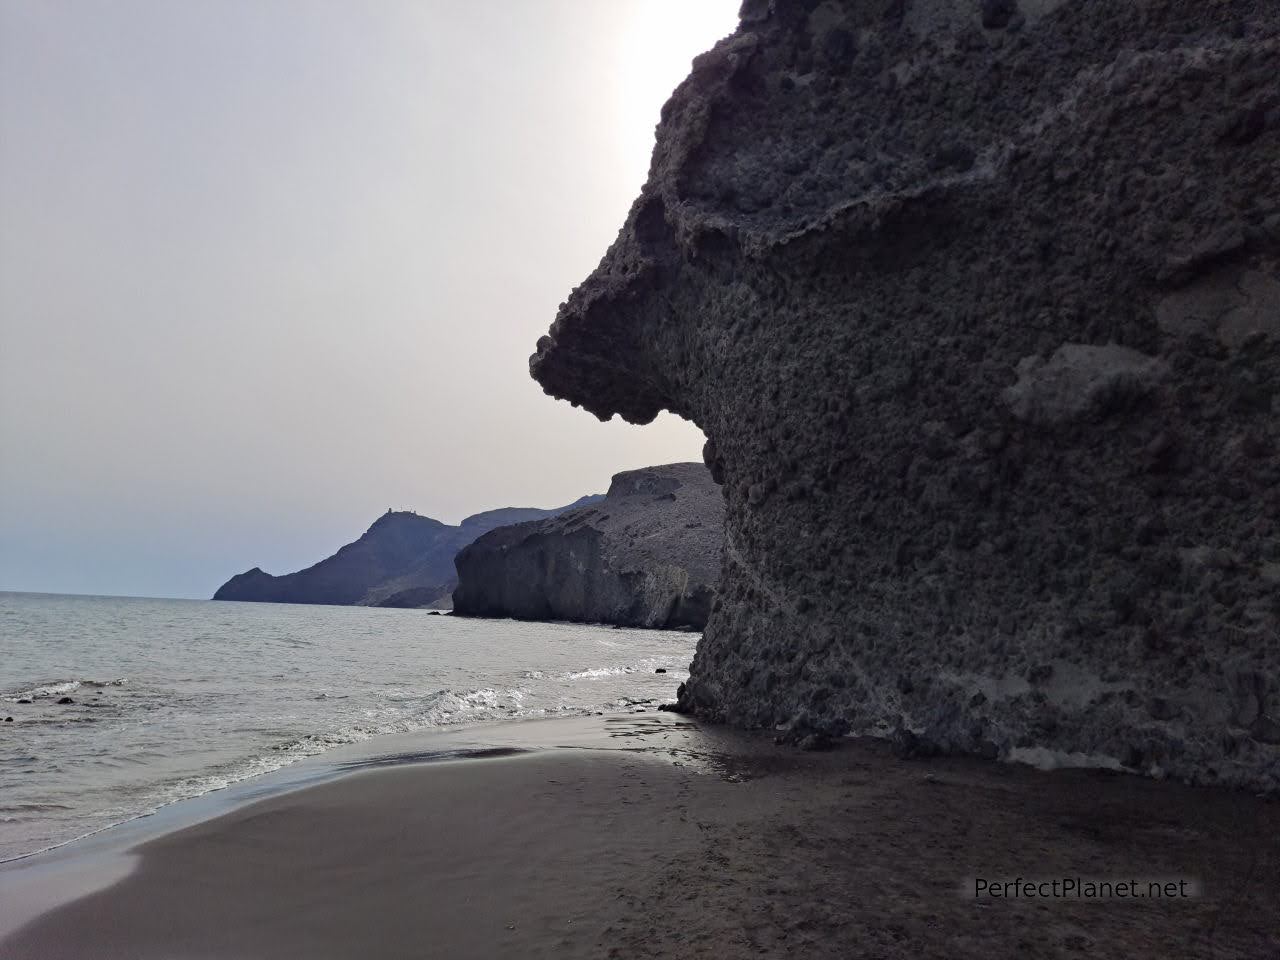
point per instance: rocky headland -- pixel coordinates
(647, 555)
(402, 560)
(978, 305)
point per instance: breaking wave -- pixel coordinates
(60, 688)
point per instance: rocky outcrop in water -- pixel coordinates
(402, 560)
(978, 305)
(648, 555)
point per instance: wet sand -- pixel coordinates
(649, 838)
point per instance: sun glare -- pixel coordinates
(659, 42)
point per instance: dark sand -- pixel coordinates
(752, 850)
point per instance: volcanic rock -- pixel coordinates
(978, 305)
(648, 555)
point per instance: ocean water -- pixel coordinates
(177, 698)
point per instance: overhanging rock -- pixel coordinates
(977, 304)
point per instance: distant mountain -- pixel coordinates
(402, 560)
(647, 555)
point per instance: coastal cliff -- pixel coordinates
(647, 555)
(978, 305)
(402, 560)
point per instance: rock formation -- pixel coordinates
(648, 555)
(978, 305)
(402, 560)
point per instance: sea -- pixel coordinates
(174, 699)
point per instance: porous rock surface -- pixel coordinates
(647, 555)
(978, 305)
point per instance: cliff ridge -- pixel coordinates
(402, 560)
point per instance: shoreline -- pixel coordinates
(173, 701)
(53, 875)
(642, 835)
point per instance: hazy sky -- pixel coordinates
(268, 267)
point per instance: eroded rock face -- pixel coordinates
(647, 555)
(978, 304)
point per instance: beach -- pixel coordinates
(649, 836)
(701, 480)
(174, 699)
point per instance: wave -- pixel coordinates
(31, 807)
(436, 709)
(669, 665)
(595, 673)
(60, 688)
(440, 708)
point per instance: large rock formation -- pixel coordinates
(648, 555)
(402, 560)
(978, 304)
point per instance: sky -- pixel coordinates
(269, 267)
